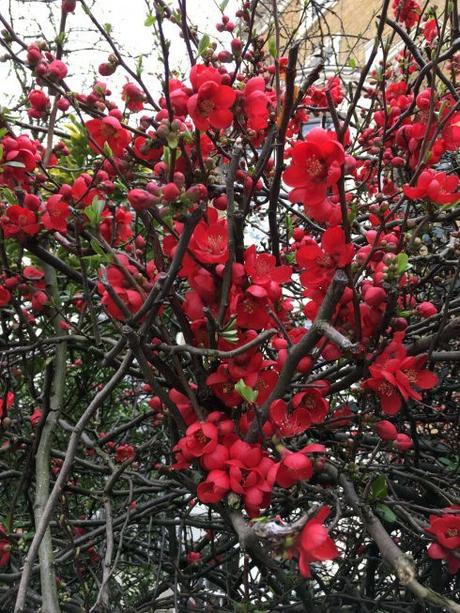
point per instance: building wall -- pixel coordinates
(348, 26)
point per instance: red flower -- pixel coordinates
(210, 107)
(178, 96)
(56, 214)
(201, 74)
(133, 96)
(314, 543)
(201, 438)
(214, 488)
(438, 187)
(148, 148)
(124, 453)
(5, 296)
(316, 165)
(406, 11)
(262, 269)
(446, 530)
(108, 130)
(256, 103)
(292, 468)
(36, 417)
(223, 386)
(386, 430)
(19, 222)
(209, 240)
(311, 399)
(5, 548)
(321, 262)
(5, 404)
(289, 424)
(396, 376)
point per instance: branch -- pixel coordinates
(297, 352)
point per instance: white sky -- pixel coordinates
(32, 17)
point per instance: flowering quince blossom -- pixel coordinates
(395, 377)
(133, 96)
(210, 105)
(256, 103)
(56, 214)
(434, 186)
(5, 548)
(108, 130)
(446, 530)
(316, 165)
(314, 544)
(19, 222)
(320, 263)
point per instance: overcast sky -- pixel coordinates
(35, 17)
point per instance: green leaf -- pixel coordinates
(60, 38)
(107, 27)
(385, 513)
(223, 5)
(204, 44)
(353, 214)
(107, 150)
(272, 47)
(289, 226)
(246, 392)
(173, 139)
(8, 195)
(379, 488)
(402, 262)
(352, 63)
(94, 211)
(97, 248)
(150, 20)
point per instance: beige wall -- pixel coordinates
(352, 23)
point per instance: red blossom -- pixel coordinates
(446, 530)
(56, 214)
(438, 187)
(210, 107)
(316, 165)
(108, 130)
(314, 543)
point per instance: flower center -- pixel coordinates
(315, 168)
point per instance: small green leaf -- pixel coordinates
(94, 211)
(223, 5)
(402, 262)
(108, 27)
(352, 63)
(173, 140)
(150, 20)
(8, 195)
(97, 248)
(379, 488)
(385, 513)
(60, 38)
(272, 47)
(107, 150)
(246, 392)
(204, 44)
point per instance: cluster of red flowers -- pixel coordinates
(229, 299)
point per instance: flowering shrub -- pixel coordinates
(229, 343)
